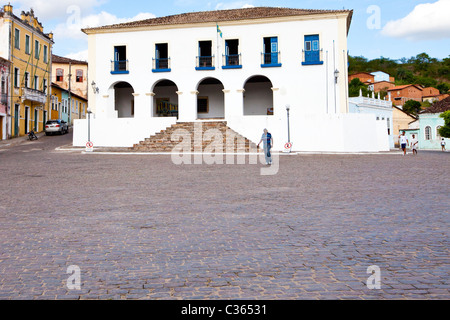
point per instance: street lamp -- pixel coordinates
(336, 75)
(94, 87)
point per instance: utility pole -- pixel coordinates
(70, 92)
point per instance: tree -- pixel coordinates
(443, 87)
(444, 131)
(412, 107)
(355, 86)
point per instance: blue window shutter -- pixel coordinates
(312, 48)
(274, 49)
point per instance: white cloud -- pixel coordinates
(81, 56)
(72, 27)
(427, 21)
(45, 9)
(233, 5)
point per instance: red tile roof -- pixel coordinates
(406, 86)
(439, 107)
(58, 59)
(221, 16)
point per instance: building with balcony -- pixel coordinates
(241, 66)
(28, 49)
(70, 73)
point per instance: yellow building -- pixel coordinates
(24, 43)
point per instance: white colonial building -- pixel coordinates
(243, 66)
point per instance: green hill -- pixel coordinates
(421, 69)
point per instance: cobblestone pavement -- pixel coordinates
(140, 227)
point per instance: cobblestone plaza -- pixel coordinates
(140, 227)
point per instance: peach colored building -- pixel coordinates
(78, 71)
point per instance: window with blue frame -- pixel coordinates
(232, 57)
(120, 63)
(271, 54)
(161, 62)
(205, 59)
(312, 54)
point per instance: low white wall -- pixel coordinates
(318, 133)
(118, 132)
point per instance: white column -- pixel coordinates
(234, 103)
(187, 106)
(141, 106)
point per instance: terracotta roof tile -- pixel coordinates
(220, 16)
(58, 59)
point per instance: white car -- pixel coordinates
(56, 126)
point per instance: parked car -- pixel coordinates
(56, 126)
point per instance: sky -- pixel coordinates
(380, 28)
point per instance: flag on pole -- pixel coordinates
(219, 31)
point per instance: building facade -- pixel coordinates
(243, 66)
(63, 103)
(70, 73)
(24, 43)
(430, 122)
(5, 119)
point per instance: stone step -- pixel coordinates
(162, 141)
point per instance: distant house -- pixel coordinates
(364, 77)
(381, 86)
(382, 76)
(432, 95)
(400, 94)
(65, 69)
(430, 123)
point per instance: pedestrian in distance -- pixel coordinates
(267, 140)
(414, 144)
(443, 145)
(403, 142)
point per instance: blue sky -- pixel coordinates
(388, 28)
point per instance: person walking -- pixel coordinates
(403, 142)
(268, 145)
(414, 144)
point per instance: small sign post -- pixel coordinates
(89, 147)
(288, 147)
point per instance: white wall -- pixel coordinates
(258, 97)
(216, 101)
(118, 132)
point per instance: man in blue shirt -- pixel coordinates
(268, 145)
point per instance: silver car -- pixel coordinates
(56, 126)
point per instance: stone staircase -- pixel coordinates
(218, 137)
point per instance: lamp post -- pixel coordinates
(89, 111)
(288, 109)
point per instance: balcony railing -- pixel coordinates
(167, 109)
(312, 57)
(205, 63)
(33, 95)
(119, 67)
(161, 65)
(232, 61)
(272, 59)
